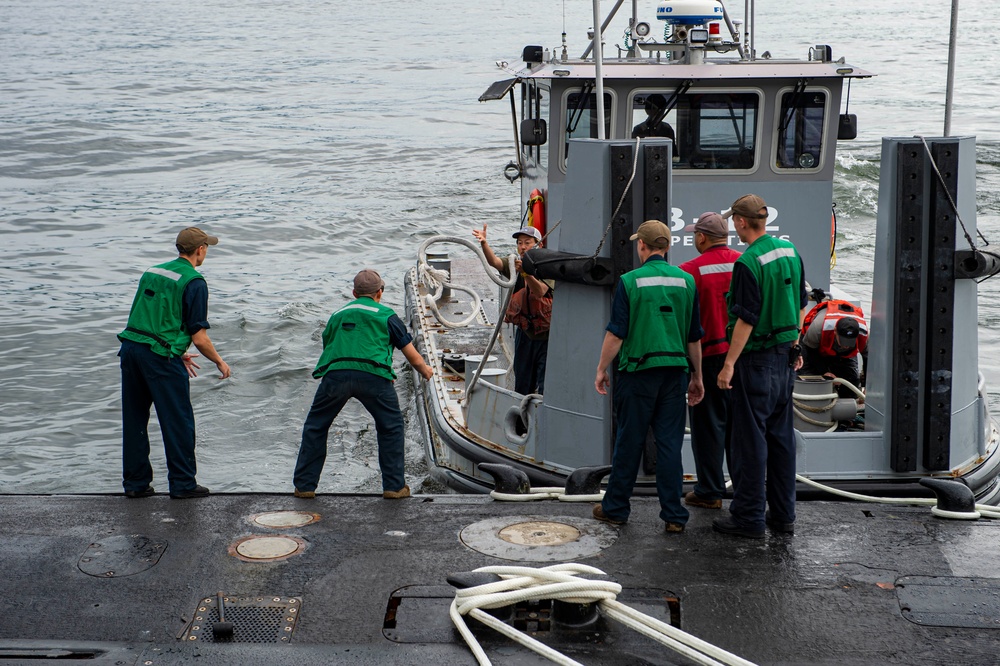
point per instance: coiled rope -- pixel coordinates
(799, 406)
(562, 582)
(437, 280)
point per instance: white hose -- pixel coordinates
(437, 280)
(561, 582)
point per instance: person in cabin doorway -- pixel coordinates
(767, 299)
(653, 125)
(356, 362)
(530, 310)
(712, 271)
(654, 332)
(169, 313)
(834, 335)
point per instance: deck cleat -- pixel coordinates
(507, 479)
(586, 480)
(954, 499)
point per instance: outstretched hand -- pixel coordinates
(480, 235)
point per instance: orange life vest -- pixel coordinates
(531, 313)
(835, 311)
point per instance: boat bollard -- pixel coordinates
(442, 262)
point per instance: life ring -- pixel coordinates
(536, 211)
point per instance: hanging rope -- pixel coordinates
(562, 582)
(628, 186)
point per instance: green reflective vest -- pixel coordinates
(156, 315)
(661, 301)
(357, 338)
(776, 266)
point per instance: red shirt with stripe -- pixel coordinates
(712, 272)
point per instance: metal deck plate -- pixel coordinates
(948, 601)
(255, 619)
(125, 555)
(539, 538)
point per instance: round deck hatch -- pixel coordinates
(266, 548)
(539, 538)
(282, 519)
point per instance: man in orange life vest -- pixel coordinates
(530, 310)
(712, 271)
(834, 334)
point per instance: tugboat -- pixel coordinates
(715, 120)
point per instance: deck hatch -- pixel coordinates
(950, 601)
(123, 555)
(255, 619)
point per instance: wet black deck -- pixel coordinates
(830, 594)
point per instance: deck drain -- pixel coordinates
(266, 548)
(255, 619)
(283, 519)
(538, 538)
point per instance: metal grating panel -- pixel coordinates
(255, 619)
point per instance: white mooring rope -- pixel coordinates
(562, 582)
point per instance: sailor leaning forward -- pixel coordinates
(356, 362)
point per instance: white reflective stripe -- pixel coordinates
(716, 268)
(358, 306)
(165, 273)
(660, 281)
(768, 257)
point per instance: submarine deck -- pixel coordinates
(105, 579)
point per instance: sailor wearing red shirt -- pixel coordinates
(712, 271)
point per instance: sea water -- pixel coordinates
(316, 138)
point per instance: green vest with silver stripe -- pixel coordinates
(661, 301)
(357, 338)
(156, 315)
(776, 266)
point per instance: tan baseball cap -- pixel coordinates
(748, 206)
(367, 282)
(653, 233)
(190, 239)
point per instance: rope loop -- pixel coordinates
(563, 582)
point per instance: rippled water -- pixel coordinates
(316, 138)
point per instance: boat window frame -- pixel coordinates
(760, 112)
(824, 139)
(537, 110)
(563, 101)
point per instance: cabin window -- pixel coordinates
(580, 116)
(800, 129)
(711, 130)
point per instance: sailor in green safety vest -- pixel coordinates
(655, 332)
(767, 300)
(356, 362)
(169, 313)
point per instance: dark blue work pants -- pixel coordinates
(378, 396)
(529, 363)
(648, 398)
(150, 379)
(763, 440)
(710, 431)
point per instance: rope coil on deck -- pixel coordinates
(562, 582)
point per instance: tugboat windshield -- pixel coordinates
(581, 115)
